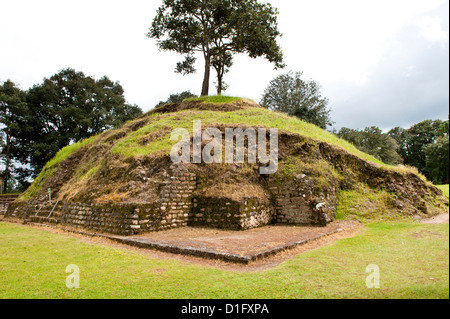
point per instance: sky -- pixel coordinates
(380, 63)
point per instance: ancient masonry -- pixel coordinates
(5, 200)
(175, 208)
(295, 203)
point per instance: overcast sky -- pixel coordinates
(381, 63)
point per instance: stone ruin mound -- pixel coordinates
(124, 182)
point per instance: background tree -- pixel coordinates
(176, 98)
(444, 128)
(218, 29)
(69, 107)
(373, 141)
(13, 110)
(412, 142)
(399, 135)
(290, 94)
(221, 62)
(437, 160)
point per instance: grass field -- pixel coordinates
(444, 189)
(215, 99)
(413, 261)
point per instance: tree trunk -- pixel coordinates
(219, 85)
(205, 87)
(220, 72)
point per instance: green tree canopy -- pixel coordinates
(217, 29)
(13, 133)
(176, 98)
(373, 141)
(290, 94)
(437, 160)
(413, 141)
(69, 107)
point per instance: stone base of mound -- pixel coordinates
(132, 219)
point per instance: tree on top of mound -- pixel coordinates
(218, 29)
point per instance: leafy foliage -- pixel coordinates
(70, 107)
(425, 146)
(13, 132)
(437, 160)
(218, 29)
(177, 98)
(66, 108)
(290, 94)
(374, 142)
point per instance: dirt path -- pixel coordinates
(439, 219)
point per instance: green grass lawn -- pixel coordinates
(215, 99)
(413, 261)
(444, 189)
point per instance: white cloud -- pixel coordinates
(347, 46)
(431, 29)
(410, 71)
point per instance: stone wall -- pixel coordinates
(5, 200)
(115, 219)
(175, 202)
(3, 208)
(20, 209)
(121, 219)
(297, 202)
(171, 211)
(228, 214)
(176, 208)
(256, 214)
(291, 206)
(292, 202)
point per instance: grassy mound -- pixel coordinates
(127, 163)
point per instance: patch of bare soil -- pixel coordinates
(439, 219)
(426, 234)
(241, 243)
